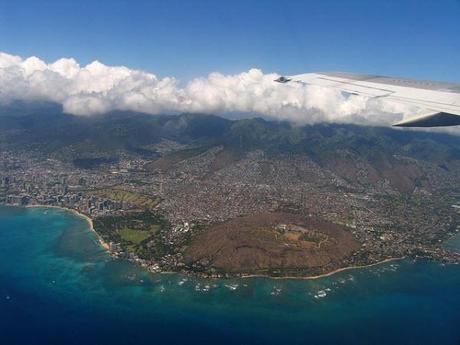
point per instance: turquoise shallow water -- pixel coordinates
(58, 287)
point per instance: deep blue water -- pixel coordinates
(58, 287)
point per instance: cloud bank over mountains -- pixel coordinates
(97, 88)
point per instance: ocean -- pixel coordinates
(57, 286)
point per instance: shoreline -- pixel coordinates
(88, 220)
(106, 247)
(324, 275)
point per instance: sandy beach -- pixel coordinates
(78, 214)
(106, 247)
(321, 275)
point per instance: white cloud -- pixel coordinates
(97, 88)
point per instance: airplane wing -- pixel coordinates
(441, 101)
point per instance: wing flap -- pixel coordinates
(436, 119)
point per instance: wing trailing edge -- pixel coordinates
(441, 101)
(436, 119)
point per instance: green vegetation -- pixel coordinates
(141, 200)
(133, 236)
(171, 158)
(347, 221)
(138, 232)
(99, 140)
(137, 236)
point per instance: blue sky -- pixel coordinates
(186, 39)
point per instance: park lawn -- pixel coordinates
(154, 228)
(142, 200)
(134, 236)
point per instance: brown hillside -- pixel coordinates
(271, 241)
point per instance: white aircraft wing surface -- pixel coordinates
(441, 101)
